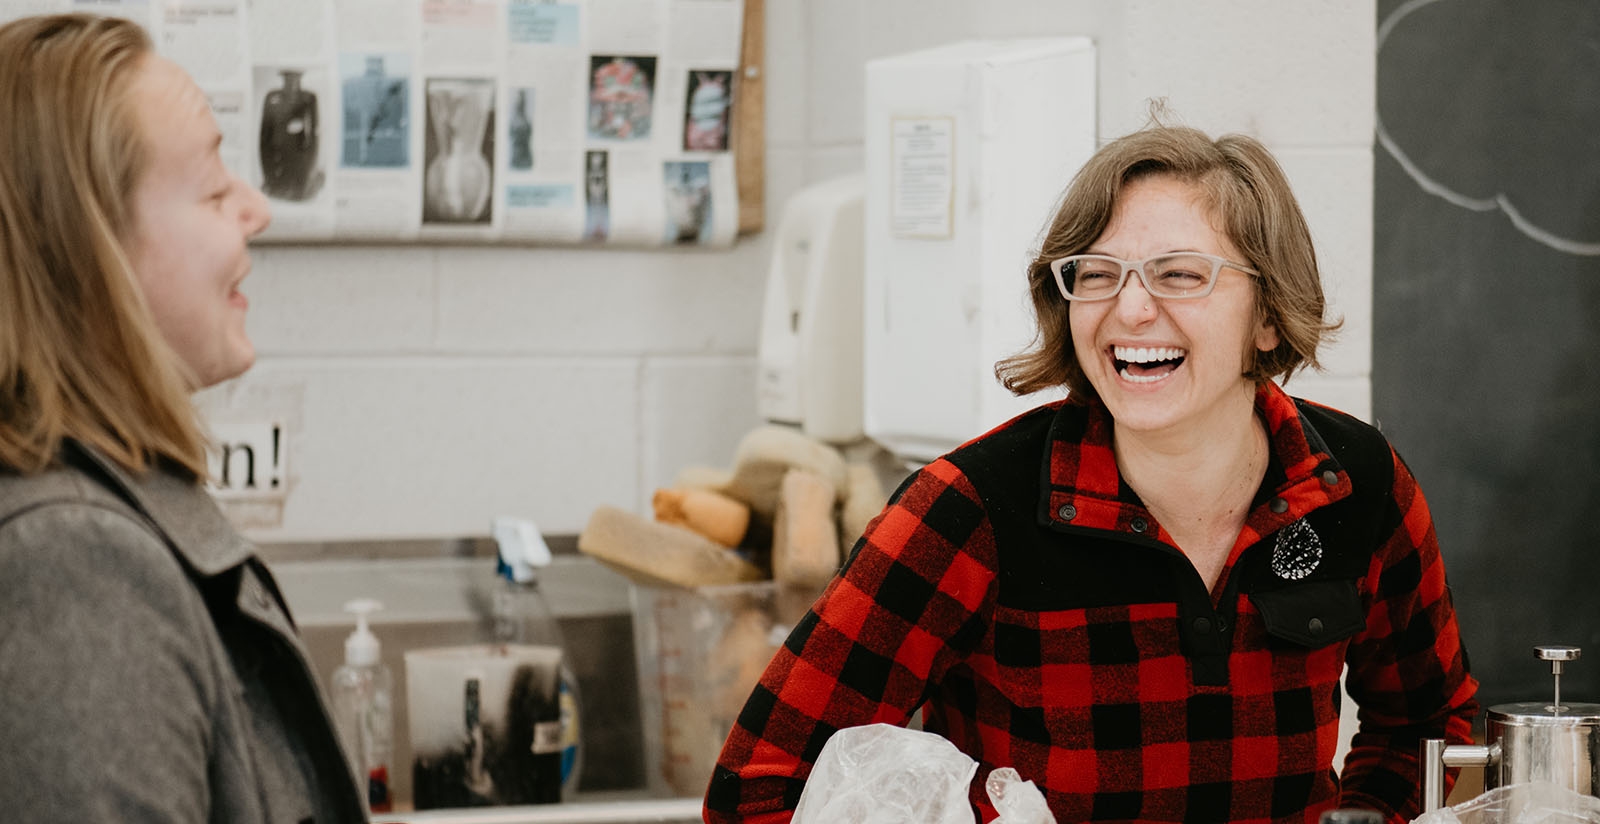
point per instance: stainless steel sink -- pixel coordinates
(446, 601)
(668, 811)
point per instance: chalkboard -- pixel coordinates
(1486, 350)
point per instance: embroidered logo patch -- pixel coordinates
(1297, 552)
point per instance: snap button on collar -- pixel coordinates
(1139, 524)
(1314, 626)
(1067, 512)
(1330, 478)
(1278, 505)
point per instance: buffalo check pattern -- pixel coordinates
(1020, 595)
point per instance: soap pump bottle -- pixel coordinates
(521, 616)
(363, 708)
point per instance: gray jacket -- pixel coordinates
(149, 670)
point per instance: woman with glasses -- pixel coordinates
(1142, 598)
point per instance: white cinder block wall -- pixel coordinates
(427, 389)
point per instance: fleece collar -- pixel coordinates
(1083, 488)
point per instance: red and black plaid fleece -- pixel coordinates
(1019, 594)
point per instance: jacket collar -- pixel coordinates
(1083, 488)
(178, 507)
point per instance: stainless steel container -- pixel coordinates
(1525, 741)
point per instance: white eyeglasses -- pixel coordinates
(1174, 276)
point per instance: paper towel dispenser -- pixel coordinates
(809, 355)
(968, 149)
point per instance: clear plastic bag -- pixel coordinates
(1531, 803)
(883, 774)
(1017, 801)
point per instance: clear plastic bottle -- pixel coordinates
(522, 616)
(363, 707)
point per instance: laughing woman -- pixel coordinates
(1143, 597)
(149, 671)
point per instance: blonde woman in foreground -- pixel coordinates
(149, 670)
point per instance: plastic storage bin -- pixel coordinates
(701, 652)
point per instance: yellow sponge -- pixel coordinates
(766, 454)
(805, 537)
(658, 554)
(862, 502)
(710, 513)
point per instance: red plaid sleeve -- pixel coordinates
(900, 613)
(1408, 669)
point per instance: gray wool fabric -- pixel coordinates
(149, 671)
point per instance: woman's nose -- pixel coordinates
(1134, 303)
(255, 214)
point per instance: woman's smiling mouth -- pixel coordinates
(1140, 364)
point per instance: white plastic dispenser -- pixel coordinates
(969, 147)
(362, 697)
(809, 355)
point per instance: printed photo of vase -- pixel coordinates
(705, 114)
(290, 134)
(376, 94)
(596, 195)
(621, 96)
(521, 130)
(459, 146)
(687, 185)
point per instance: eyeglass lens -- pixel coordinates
(1168, 276)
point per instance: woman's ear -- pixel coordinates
(1266, 337)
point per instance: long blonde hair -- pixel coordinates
(80, 355)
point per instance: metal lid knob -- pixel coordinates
(1556, 655)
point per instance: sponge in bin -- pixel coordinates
(863, 500)
(764, 455)
(656, 554)
(710, 513)
(805, 536)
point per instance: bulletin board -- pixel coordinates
(1486, 279)
(614, 122)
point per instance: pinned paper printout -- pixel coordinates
(923, 165)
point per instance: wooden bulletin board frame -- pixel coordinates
(291, 96)
(750, 117)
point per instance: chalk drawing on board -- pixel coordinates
(1443, 191)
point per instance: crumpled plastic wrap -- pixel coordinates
(883, 774)
(1017, 801)
(1530, 803)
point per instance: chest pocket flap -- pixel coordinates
(1313, 613)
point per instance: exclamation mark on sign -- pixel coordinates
(277, 455)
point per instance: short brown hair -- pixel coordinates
(1242, 185)
(80, 355)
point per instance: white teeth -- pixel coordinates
(1141, 354)
(1132, 378)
